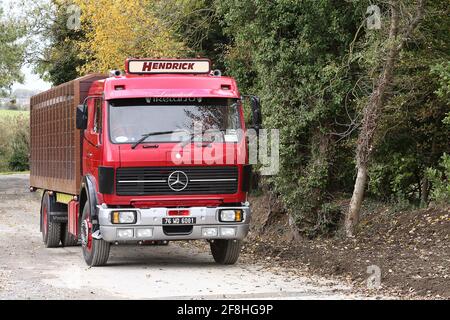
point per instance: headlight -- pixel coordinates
(123, 217)
(231, 215)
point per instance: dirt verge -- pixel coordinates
(411, 248)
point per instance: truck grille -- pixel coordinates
(176, 180)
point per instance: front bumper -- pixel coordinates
(152, 219)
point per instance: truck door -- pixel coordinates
(92, 141)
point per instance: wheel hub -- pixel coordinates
(45, 222)
(86, 234)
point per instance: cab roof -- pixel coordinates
(166, 78)
(166, 86)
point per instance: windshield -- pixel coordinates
(173, 120)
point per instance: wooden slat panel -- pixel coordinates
(55, 141)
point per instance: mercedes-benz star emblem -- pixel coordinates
(178, 181)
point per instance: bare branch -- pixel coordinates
(406, 34)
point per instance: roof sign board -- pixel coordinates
(172, 66)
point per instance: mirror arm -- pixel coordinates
(85, 106)
(86, 101)
(256, 111)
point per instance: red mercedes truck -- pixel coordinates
(155, 154)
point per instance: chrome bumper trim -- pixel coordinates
(152, 219)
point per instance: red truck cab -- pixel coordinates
(163, 158)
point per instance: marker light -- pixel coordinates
(178, 212)
(231, 215)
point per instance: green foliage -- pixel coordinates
(397, 179)
(440, 180)
(291, 54)
(447, 119)
(413, 135)
(442, 71)
(59, 61)
(197, 24)
(14, 140)
(326, 222)
(313, 64)
(18, 160)
(11, 52)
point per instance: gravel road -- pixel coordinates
(178, 271)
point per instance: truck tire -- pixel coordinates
(226, 251)
(67, 239)
(95, 252)
(51, 231)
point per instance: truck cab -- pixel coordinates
(164, 157)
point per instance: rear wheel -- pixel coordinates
(95, 252)
(51, 231)
(67, 239)
(226, 251)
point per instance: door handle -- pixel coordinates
(89, 155)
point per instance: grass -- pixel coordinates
(13, 113)
(13, 172)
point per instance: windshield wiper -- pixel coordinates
(160, 133)
(151, 134)
(193, 135)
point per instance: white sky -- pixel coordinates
(32, 81)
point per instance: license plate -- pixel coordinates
(176, 221)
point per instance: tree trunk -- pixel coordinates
(373, 110)
(424, 193)
(352, 217)
(371, 113)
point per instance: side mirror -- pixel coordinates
(255, 103)
(81, 117)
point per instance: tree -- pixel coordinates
(400, 30)
(20, 146)
(11, 53)
(197, 24)
(292, 54)
(412, 135)
(116, 30)
(51, 44)
(58, 62)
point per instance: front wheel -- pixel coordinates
(95, 252)
(226, 251)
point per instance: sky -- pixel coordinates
(32, 81)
